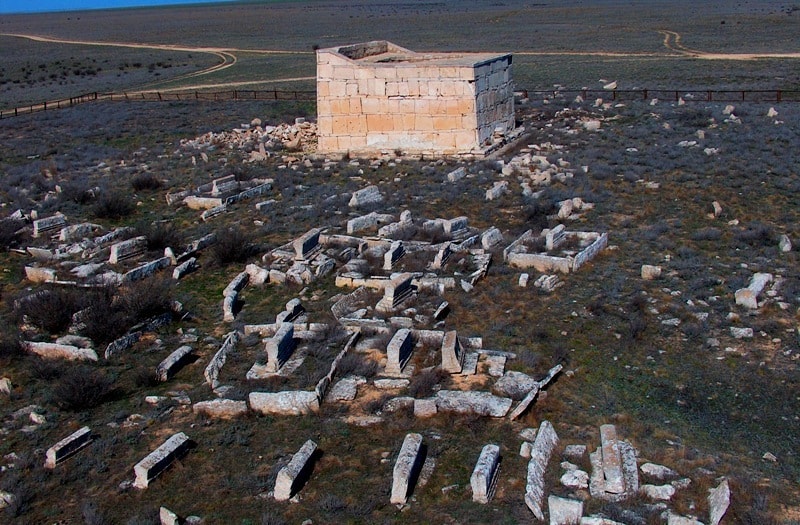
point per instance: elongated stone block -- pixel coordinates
(67, 447)
(719, 499)
(290, 476)
(406, 469)
(612, 460)
(58, 351)
(288, 403)
(398, 351)
(307, 244)
(279, 347)
(484, 475)
(174, 362)
(452, 353)
(218, 361)
(546, 441)
(127, 249)
(55, 222)
(157, 461)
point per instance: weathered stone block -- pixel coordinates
(174, 362)
(287, 403)
(291, 476)
(220, 408)
(67, 447)
(406, 469)
(452, 353)
(158, 460)
(472, 402)
(398, 351)
(546, 441)
(484, 475)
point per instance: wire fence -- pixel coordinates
(775, 96)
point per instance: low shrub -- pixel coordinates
(160, 235)
(422, 384)
(8, 233)
(82, 387)
(50, 310)
(356, 364)
(233, 245)
(145, 181)
(113, 206)
(757, 234)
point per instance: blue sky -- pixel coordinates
(40, 6)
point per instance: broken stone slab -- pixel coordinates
(365, 196)
(346, 388)
(612, 460)
(484, 476)
(425, 408)
(650, 272)
(658, 471)
(167, 517)
(472, 402)
(48, 224)
(286, 403)
(395, 253)
(291, 477)
(575, 479)
(390, 384)
(514, 384)
(220, 408)
(67, 447)
(213, 212)
(491, 238)
(406, 469)
(531, 395)
(498, 190)
(658, 492)
(121, 344)
(174, 362)
(5, 386)
(457, 174)
(441, 311)
(748, 297)
(546, 441)
(564, 511)
(186, 267)
(58, 351)
(127, 249)
(676, 519)
(785, 243)
(146, 270)
(496, 365)
(211, 372)
(719, 499)
(237, 284)
(40, 275)
(157, 461)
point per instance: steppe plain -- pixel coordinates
(639, 354)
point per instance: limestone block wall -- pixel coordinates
(436, 106)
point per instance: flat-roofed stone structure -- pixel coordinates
(376, 96)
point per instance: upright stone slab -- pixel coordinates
(452, 353)
(406, 469)
(127, 249)
(67, 447)
(211, 372)
(158, 460)
(395, 253)
(612, 460)
(442, 256)
(484, 475)
(719, 498)
(174, 362)
(555, 237)
(546, 441)
(397, 291)
(307, 244)
(280, 347)
(398, 351)
(289, 477)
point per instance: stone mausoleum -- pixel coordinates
(377, 96)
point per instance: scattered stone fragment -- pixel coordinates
(650, 272)
(575, 451)
(785, 244)
(167, 517)
(514, 384)
(748, 297)
(658, 492)
(741, 333)
(346, 389)
(368, 195)
(658, 471)
(719, 499)
(575, 479)
(498, 190)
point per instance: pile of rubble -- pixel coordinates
(258, 140)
